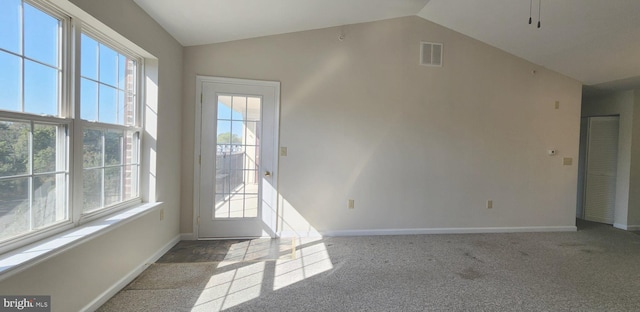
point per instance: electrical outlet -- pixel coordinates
(567, 161)
(283, 151)
(351, 204)
(161, 214)
(489, 204)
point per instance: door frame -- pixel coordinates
(200, 80)
(584, 161)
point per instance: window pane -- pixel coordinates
(130, 188)
(108, 104)
(14, 207)
(89, 58)
(40, 36)
(224, 107)
(10, 25)
(108, 66)
(122, 72)
(92, 148)
(127, 109)
(92, 189)
(44, 148)
(10, 81)
(130, 148)
(253, 109)
(112, 185)
(45, 201)
(89, 100)
(40, 89)
(14, 149)
(113, 147)
(238, 131)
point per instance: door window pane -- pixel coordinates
(237, 158)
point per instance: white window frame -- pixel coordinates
(69, 116)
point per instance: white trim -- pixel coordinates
(124, 281)
(450, 230)
(620, 226)
(21, 259)
(626, 227)
(187, 236)
(197, 150)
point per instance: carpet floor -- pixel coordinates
(596, 268)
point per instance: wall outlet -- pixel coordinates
(283, 151)
(567, 161)
(161, 214)
(351, 204)
(489, 204)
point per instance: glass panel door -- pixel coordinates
(237, 157)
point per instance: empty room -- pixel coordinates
(319, 155)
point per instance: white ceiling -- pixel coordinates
(594, 41)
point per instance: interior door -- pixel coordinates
(601, 169)
(238, 158)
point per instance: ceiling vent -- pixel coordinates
(431, 54)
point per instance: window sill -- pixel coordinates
(23, 258)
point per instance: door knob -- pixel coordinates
(267, 173)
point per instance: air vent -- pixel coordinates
(431, 54)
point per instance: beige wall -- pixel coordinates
(415, 146)
(78, 276)
(620, 103)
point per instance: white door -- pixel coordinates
(601, 168)
(238, 157)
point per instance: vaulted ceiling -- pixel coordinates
(594, 41)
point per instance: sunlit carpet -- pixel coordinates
(594, 269)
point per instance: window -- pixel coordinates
(108, 97)
(40, 115)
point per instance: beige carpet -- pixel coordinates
(594, 269)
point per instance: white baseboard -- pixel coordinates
(450, 230)
(187, 236)
(620, 226)
(124, 281)
(627, 227)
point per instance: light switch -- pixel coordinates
(557, 104)
(283, 151)
(567, 161)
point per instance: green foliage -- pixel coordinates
(229, 138)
